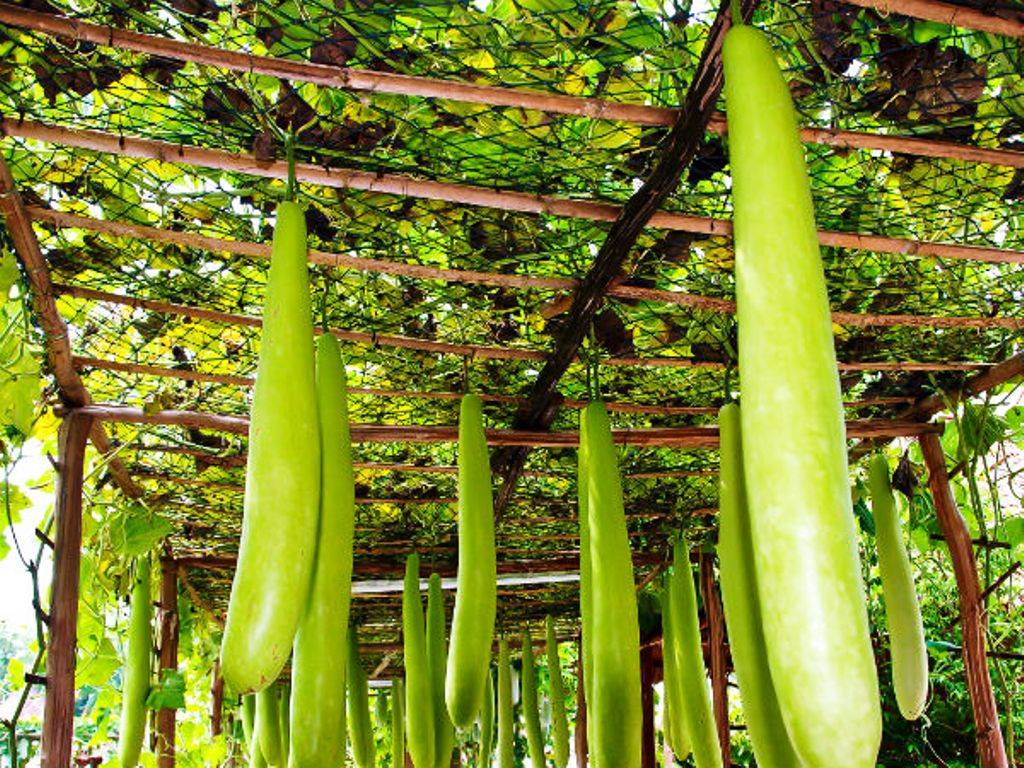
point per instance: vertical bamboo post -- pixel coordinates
(581, 716)
(59, 709)
(649, 751)
(216, 700)
(168, 657)
(716, 652)
(991, 750)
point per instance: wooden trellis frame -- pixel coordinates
(82, 420)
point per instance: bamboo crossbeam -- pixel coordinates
(687, 437)
(247, 381)
(461, 194)
(477, 277)
(467, 350)
(956, 15)
(348, 78)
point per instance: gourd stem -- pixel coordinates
(290, 154)
(737, 12)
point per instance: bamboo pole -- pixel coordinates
(348, 78)
(691, 437)
(955, 15)
(59, 707)
(169, 623)
(991, 750)
(461, 194)
(476, 277)
(717, 654)
(468, 350)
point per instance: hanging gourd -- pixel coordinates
(137, 666)
(419, 691)
(613, 704)
(559, 721)
(486, 722)
(437, 655)
(268, 724)
(360, 727)
(282, 480)
(902, 611)
(318, 670)
(794, 446)
(397, 724)
(531, 709)
(742, 606)
(672, 716)
(476, 592)
(506, 720)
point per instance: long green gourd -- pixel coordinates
(531, 710)
(794, 449)
(437, 656)
(282, 481)
(672, 717)
(137, 666)
(902, 611)
(398, 724)
(691, 691)
(586, 600)
(318, 670)
(249, 719)
(284, 723)
(506, 721)
(256, 759)
(268, 724)
(469, 657)
(559, 720)
(615, 646)
(419, 694)
(360, 728)
(486, 722)
(761, 712)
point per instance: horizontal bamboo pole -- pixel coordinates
(468, 350)
(461, 194)
(692, 437)
(476, 277)
(348, 78)
(956, 15)
(247, 381)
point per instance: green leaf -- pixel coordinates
(169, 693)
(1013, 529)
(138, 530)
(16, 673)
(98, 667)
(980, 429)
(8, 273)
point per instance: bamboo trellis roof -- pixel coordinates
(463, 164)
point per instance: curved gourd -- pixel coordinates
(506, 720)
(398, 724)
(256, 759)
(284, 723)
(137, 666)
(486, 722)
(614, 705)
(672, 717)
(559, 720)
(902, 611)
(249, 719)
(794, 447)
(318, 670)
(469, 657)
(691, 690)
(437, 656)
(742, 606)
(282, 481)
(419, 693)
(268, 725)
(360, 728)
(531, 710)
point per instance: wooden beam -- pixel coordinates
(956, 15)
(993, 377)
(680, 437)
(348, 78)
(59, 707)
(991, 750)
(476, 277)
(169, 624)
(462, 194)
(55, 331)
(717, 654)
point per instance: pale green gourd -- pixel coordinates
(137, 666)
